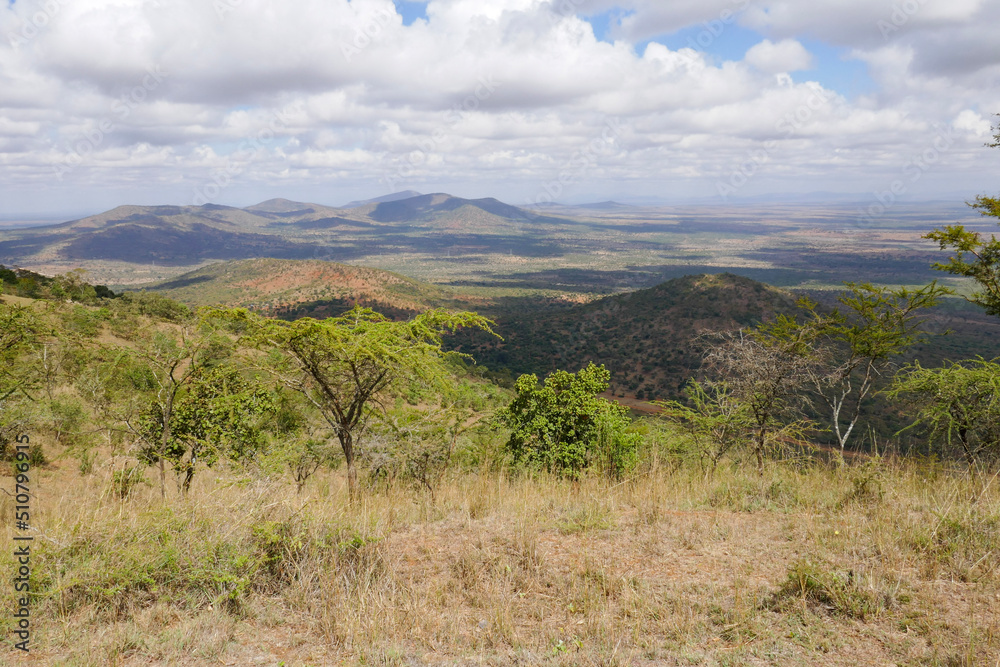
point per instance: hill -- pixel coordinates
(406, 194)
(313, 288)
(190, 236)
(648, 339)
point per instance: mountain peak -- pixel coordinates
(279, 205)
(396, 196)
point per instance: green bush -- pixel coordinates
(565, 427)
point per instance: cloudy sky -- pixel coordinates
(104, 102)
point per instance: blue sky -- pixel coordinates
(411, 11)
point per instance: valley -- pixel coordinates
(567, 285)
(485, 247)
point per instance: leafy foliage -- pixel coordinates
(139, 385)
(221, 414)
(765, 370)
(345, 365)
(717, 422)
(855, 347)
(70, 286)
(565, 427)
(975, 256)
(20, 329)
(957, 403)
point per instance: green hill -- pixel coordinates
(648, 339)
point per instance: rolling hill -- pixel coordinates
(189, 236)
(648, 339)
(289, 288)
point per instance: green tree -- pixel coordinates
(959, 402)
(975, 256)
(565, 427)
(218, 414)
(856, 346)
(717, 422)
(141, 382)
(20, 330)
(417, 444)
(346, 365)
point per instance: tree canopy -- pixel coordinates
(976, 256)
(345, 365)
(565, 427)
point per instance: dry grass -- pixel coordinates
(880, 564)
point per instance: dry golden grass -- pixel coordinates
(884, 563)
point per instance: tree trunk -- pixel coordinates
(163, 466)
(347, 444)
(164, 442)
(352, 480)
(188, 476)
(761, 436)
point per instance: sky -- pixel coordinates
(108, 102)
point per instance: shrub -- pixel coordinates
(860, 595)
(565, 427)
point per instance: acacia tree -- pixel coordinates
(219, 414)
(19, 330)
(975, 256)
(959, 401)
(765, 370)
(717, 422)
(345, 365)
(858, 345)
(143, 380)
(417, 444)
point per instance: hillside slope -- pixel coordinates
(647, 339)
(314, 288)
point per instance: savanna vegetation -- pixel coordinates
(215, 486)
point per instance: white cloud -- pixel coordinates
(340, 97)
(970, 121)
(787, 55)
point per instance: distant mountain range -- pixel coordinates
(278, 228)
